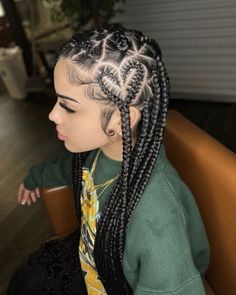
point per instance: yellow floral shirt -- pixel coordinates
(89, 209)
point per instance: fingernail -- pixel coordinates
(23, 202)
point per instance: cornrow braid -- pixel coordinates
(126, 69)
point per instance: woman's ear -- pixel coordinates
(115, 122)
(135, 116)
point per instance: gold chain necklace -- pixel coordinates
(106, 183)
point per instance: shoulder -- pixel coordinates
(164, 194)
(165, 177)
(166, 204)
(158, 242)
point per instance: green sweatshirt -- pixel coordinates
(166, 248)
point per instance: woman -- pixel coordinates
(140, 230)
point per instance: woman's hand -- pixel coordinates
(26, 196)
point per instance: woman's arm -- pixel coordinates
(167, 266)
(52, 173)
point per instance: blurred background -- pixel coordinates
(198, 42)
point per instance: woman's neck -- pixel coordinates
(114, 150)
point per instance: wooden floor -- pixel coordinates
(27, 137)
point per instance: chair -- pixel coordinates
(209, 169)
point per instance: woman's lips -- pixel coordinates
(60, 136)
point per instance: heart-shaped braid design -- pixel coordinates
(136, 70)
(122, 68)
(124, 86)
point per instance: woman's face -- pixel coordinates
(76, 116)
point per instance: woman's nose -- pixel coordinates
(54, 115)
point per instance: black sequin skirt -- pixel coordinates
(52, 270)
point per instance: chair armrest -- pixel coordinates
(59, 203)
(208, 289)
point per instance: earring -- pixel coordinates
(120, 133)
(111, 132)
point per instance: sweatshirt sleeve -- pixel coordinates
(158, 257)
(52, 173)
(167, 268)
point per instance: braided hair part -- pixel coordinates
(125, 69)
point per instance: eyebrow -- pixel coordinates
(66, 97)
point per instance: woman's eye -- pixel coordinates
(66, 108)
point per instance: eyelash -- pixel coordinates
(66, 108)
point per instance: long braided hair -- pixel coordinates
(125, 68)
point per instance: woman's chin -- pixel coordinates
(70, 148)
(73, 149)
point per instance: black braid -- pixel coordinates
(159, 115)
(77, 180)
(77, 169)
(128, 71)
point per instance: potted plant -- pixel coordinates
(83, 13)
